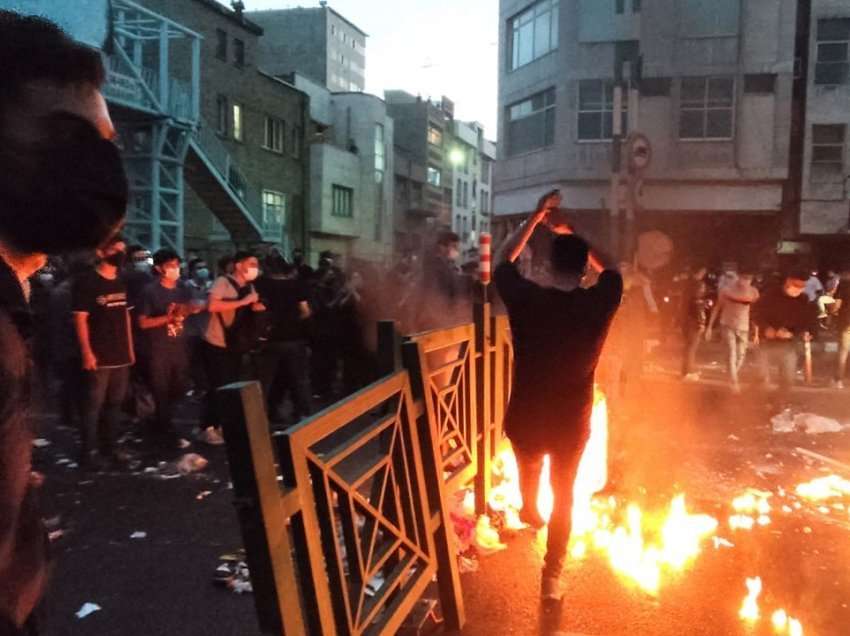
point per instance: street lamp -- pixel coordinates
(456, 156)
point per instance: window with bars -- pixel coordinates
(531, 123)
(828, 150)
(343, 201)
(274, 137)
(707, 108)
(532, 33)
(833, 52)
(596, 110)
(274, 209)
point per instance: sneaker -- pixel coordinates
(691, 377)
(550, 589)
(211, 437)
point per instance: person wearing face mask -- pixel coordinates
(102, 322)
(232, 299)
(784, 320)
(164, 307)
(198, 284)
(62, 188)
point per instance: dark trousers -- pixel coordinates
(71, 390)
(105, 393)
(693, 337)
(285, 366)
(222, 367)
(168, 379)
(562, 476)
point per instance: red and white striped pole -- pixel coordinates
(485, 262)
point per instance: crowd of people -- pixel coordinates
(123, 331)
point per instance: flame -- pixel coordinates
(795, 628)
(829, 487)
(639, 547)
(779, 620)
(749, 608)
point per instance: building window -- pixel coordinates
(435, 135)
(833, 60)
(434, 176)
(221, 44)
(636, 6)
(718, 18)
(532, 33)
(274, 134)
(620, 6)
(485, 171)
(531, 123)
(828, 153)
(465, 194)
(596, 110)
(380, 153)
(221, 115)
(274, 209)
(343, 202)
(238, 130)
(707, 108)
(459, 193)
(238, 52)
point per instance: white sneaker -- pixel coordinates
(550, 589)
(210, 436)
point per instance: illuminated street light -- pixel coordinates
(457, 156)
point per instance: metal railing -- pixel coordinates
(345, 520)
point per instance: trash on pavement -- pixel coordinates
(138, 534)
(810, 423)
(191, 463)
(487, 539)
(203, 495)
(88, 608)
(40, 442)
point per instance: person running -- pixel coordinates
(733, 308)
(696, 305)
(558, 335)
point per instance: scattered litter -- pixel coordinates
(40, 442)
(62, 461)
(88, 608)
(486, 537)
(150, 469)
(467, 564)
(55, 535)
(808, 423)
(233, 574)
(720, 542)
(191, 463)
(73, 465)
(183, 443)
(138, 534)
(734, 438)
(203, 495)
(374, 585)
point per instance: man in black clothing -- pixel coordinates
(165, 306)
(285, 361)
(62, 187)
(697, 310)
(104, 332)
(558, 334)
(784, 319)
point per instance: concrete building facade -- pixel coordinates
(825, 187)
(316, 42)
(470, 159)
(351, 174)
(423, 188)
(714, 99)
(246, 169)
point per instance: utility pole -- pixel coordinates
(616, 160)
(632, 76)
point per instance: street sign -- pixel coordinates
(639, 152)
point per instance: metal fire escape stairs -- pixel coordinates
(157, 115)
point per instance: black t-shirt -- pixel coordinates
(282, 298)
(843, 294)
(155, 301)
(777, 310)
(105, 302)
(558, 337)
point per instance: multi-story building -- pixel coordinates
(470, 161)
(246, 164)
(351, 174)
(825, 169)
(316, 42)
(714, 100)
(423, 191)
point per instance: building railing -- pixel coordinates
(345, 515)
(247, 196)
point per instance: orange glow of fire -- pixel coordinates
(829, 487)
(639, 547)
(750, 608)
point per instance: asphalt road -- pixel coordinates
(696, 439)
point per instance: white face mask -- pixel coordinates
(172, 273)
(252, 273)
